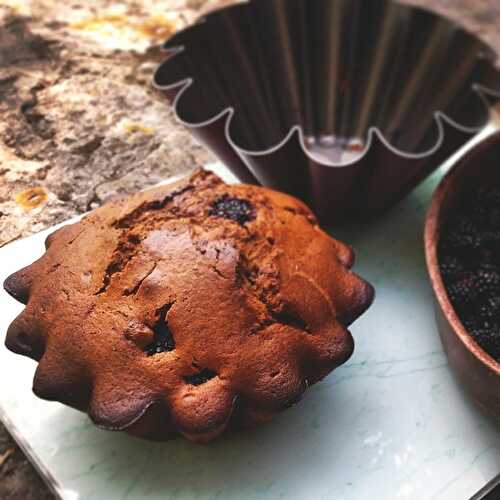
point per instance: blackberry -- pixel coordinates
(240, 211)
(462, 291)
(487, 260)
(475, 203)
(493, 220)
(470, 322)
(450, 267)
(489, 310)
(488, 337)
(462, 234)
(483, 200)
(200, 378)
(487, 282)
(492, 241)
(163, 338)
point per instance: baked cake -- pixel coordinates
(189, 308)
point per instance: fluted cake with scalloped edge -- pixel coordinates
(189, 308)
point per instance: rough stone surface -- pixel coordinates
(79, 123)
(18, 480)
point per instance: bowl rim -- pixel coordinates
(483, 95)
(431, 238)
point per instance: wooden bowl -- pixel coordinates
(478, 372)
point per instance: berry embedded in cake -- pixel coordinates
(469, 260)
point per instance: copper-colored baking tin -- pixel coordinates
(475, 369)
(347, 104)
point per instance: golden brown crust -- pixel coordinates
(187, 308)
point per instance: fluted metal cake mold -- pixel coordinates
(347, 104)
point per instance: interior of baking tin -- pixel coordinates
(336, 68)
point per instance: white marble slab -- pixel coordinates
(390, 424)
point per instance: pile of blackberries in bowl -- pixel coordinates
(462, 245)
(469, 261)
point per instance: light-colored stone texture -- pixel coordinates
(79, 118)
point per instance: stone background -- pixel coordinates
(80, 123)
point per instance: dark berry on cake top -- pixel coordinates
(238, 210)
